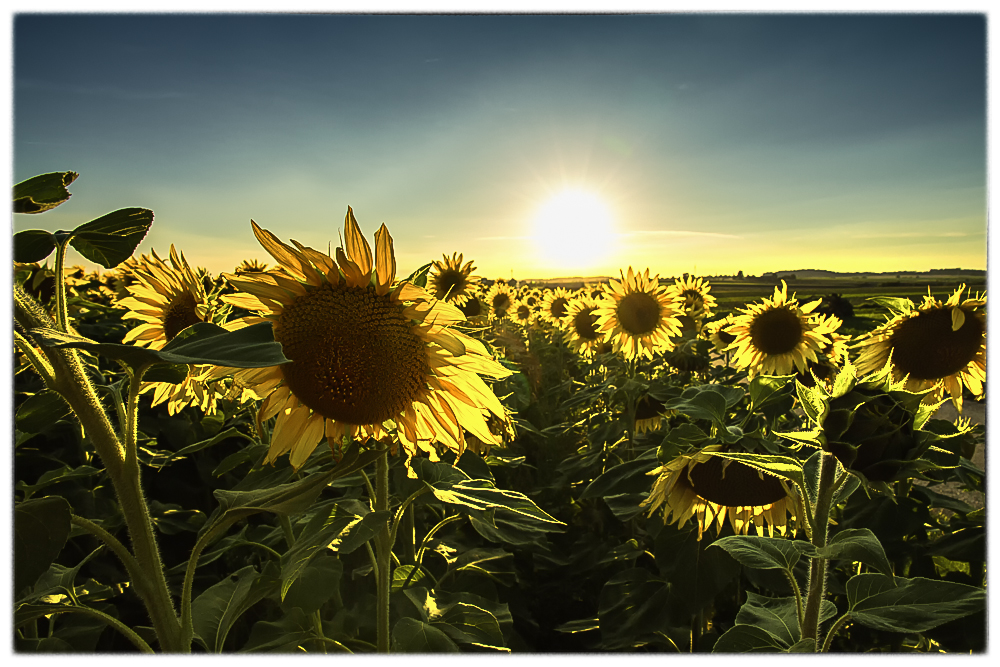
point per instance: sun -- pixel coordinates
(574, 229)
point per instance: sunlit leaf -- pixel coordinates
(909, 605)
(42, 193)
(112, 238)
(33, 245)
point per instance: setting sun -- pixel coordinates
(574, 229)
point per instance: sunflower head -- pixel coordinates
(694, 293)
(250, 266)
(499, 301)
(367, 357)
(649, 413)
(717, 334)
(522, 313)
(581, 332)
(638, 315)
(555, 306)
(777, 335)
(452, 281)
(711, 488)
(939, 346)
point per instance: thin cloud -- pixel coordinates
(910, 235)
(677, 232)
(505, 238)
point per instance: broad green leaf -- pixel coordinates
(782, 466)
(231, 432)
(763, 553)
(202, 343)
(358, 532)
(632, 607)
(42, 193)
(214, 612)
(419, 277)
(859, 544)
(909, 605)
(315, 584)
(480, 494)
(51, 477)
(497, 564)
(897, 305)
(628, 477)
(293, 629)
(412, 636)
(470, 624)
(112, 238)
(803, 646)
(328, 522)
(33, 245)
(171, 374)
(406, 576)
(813, 401)
(709, 401)
(778, 616)
(765, 389)
(580, 625)
(41, 527)
(40, 411)
(748, 639)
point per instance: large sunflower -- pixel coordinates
(451, 281)
(698, 303)
(366, 357)
(499, 300)
(638, 315)
(555, 306)
(940, 346)
(522, 313)
(776, 336)
(582, 334)
(168, 298)
(711, 488)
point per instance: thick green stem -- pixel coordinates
(124, 555)
(110, 620)
(62, 309)
(820, 529)
(383, 553)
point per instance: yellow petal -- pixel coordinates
(355, 243)
(957, 318)
(385, 261)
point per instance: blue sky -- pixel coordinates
(718, 143)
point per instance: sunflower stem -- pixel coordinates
(383, 553)
(841, 623)
(820, 529)
(62, 309)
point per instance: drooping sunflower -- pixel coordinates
(582, 334)
(830, 357)
(168, 298)
(555, 306)
(451, 281)
(938, 345)
(649, 413)
(638, 315)
(366, 356)
(698, 303)
(499, 300)
(777, 335)
(250, 266)
(711, 488)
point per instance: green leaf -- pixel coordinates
(112, 238)
(778, 616)
(814, 402)
(763, 553)
(359, 532)
(202, 343)
(909, 605)
(405, 576)
(231, 432)
(41, 528)
(292, 630)
(748, 639)
(172, 374)
(580, 625)
(412, 636)
(33, 245)
(628, 477)
(419, 277)
(214, 612)
(767, 389)
(469, 624)
(631, 608)
(40, 411)
(709, 401)
(781, 466)
(314, 585)
(497, 564)
(50, 477)
(859, 544)
(41, 193)
(897, 305)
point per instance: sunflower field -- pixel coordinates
(333, 454)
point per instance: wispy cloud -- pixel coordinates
(912, 235)
(505, 238)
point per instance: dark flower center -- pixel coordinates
(738, 485)
(180, 315)
(501, 302)
(776, 331)
(585, 324)
(355, 357)
(449, 283)
(639, 313)
(925, 346)
(558, 307)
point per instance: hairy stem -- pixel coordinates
(841, 622)
(383, 553)
(820, 530)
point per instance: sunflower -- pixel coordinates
(648, 414)
(168, 298)
(831, 357)
(716, 332)
(522, 313)
(711, 488)
(581, 326)
(451, 281)
(250, 266)
(776, 336)
(638, 315)
(499, 300)
(366, 357)
(939, 346)
(474, 307)
(555, 306)
(698, 303)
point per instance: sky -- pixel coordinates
(538, 146)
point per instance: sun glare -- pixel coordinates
(574, 229)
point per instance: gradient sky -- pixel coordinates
(718, 143)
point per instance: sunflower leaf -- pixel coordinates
(419, 277)
(778, 616)
(33, 245)
(781, 466)
(909, 605)
(764, 553)
(412, 636)
(710, 401)
(898, 306)
(42, 193)
(112, 238)
(858, 544)
(41, 528)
